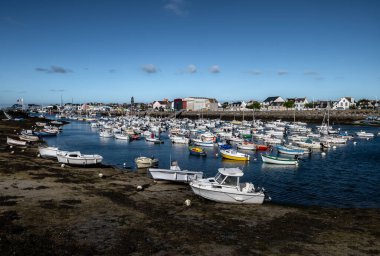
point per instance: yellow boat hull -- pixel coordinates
(238, 158)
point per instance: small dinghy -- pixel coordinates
(13, 142)
(146, 162)
(197, 151)
(279, 160)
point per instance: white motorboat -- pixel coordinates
(146, 162)
(179, 140)
(76, 158)
(247, 145)
(225, 188)
(106, 134)
(363, 134)
(175, 174)
(121, 136)
(13, 142)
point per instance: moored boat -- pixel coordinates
(49, 152)
(234, 155)
(226, 188)
(13, 142)
(278, 160)
(146, 162)
(246, 145)
(289, 151)
(76, 158)
(363, 134)
(197, 151)
(261, 147)
(174, 174)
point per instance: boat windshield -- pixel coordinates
(226, 180)
(230, 181)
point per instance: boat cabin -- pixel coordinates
(228, 177)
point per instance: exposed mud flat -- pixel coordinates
(49, 210)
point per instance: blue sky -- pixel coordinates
(108, 51)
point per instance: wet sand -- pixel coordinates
(49, 210)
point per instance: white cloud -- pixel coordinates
(255, 72)
(191, 69)
(175, 6)
(215, 69)
(149, 69)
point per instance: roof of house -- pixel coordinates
(271, 99)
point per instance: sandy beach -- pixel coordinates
(46, 209)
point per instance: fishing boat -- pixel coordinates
(76, 158)
(278, 160)
(226, 188)
(289, 151)
(197, 151)
(234, 155)
(146, 162)
(13, 142)
(174, 174)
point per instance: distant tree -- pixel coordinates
(363, 103)
(254, 105)
(309, 105)
(225, 104)
(289, 104)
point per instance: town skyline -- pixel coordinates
(95, 51)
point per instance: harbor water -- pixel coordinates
(346, 176)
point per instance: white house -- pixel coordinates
(274, 103)
(299, 103)
(160, 104)
(344, 103)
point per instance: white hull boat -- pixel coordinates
(146, 162)
(106, 134)
(175, 174)
(76, 158)
(13, 142)
(49, 152)
(363, 134)
(179, 140)
(26, 137)
(225, 188)
(246, 146)
(121, 136)
(278, 160)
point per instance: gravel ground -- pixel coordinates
(49, 210)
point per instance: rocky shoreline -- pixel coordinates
(49, 210)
